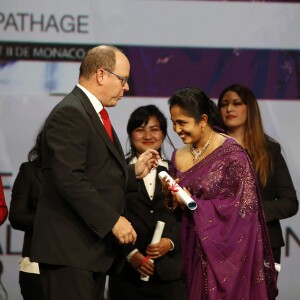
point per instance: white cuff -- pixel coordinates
(173, 246)
(131, 254)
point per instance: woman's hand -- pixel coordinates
(142, 264)
(170, 197)
(165, 187)
(160, 249)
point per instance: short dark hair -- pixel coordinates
(140, 116)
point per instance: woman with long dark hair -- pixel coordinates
(241, 116)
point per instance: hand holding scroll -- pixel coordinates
(180, 194)
(142, 264)
(159, 249)
(155, 239)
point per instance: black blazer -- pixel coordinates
(279, 197)
(24, 200)
(143, 214)
(83, 188)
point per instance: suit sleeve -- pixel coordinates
(286, 202)
(132, 185)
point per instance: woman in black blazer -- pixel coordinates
(241, 116)
(24, 200)
(147, 128)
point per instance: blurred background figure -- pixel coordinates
(3, 216)
(3, 292)
(147, 129)
(241, 116)
(3, 207)
(24, 200)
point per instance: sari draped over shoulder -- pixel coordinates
(225, 244)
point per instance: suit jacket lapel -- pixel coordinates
(144, 190)
(117, 143)
(115, 147)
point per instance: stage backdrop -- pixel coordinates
(171, 44)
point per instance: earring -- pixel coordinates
(162, 156)
(131, 152)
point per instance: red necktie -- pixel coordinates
(106, 123)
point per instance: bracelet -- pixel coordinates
(144, 260)
(170, 204)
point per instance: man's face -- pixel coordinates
(114, 86)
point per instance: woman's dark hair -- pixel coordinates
(35, 154)
(196, 103)
(139, 117)
(255, 140)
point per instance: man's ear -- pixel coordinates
(100, 76)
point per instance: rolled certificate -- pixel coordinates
(159, 228)
(186, 199)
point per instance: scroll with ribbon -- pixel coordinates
(159, 228)
(175, 187)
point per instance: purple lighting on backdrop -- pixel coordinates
(158, 72)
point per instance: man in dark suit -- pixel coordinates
(79, 227)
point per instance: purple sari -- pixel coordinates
(225, 245)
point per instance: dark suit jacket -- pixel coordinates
(24, 200)
(143, 214)
(83, 189)
(279, 197)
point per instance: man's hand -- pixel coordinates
(124, 232)
(146, 161)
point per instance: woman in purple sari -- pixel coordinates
(225, 245)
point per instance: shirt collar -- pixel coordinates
(94, 100)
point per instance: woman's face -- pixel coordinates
(233, 111)
(188, 129)
(148, 136)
